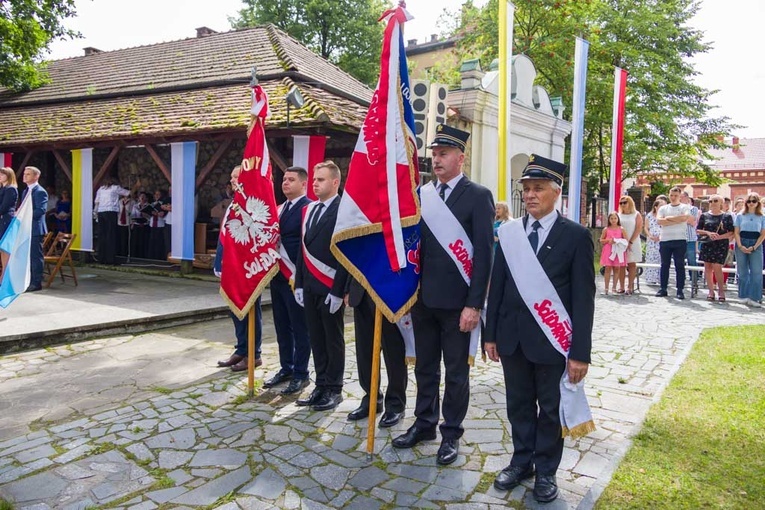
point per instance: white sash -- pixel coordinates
(449, 233)
(286, 266)
(318, 269)
(545, 305)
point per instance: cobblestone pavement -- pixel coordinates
(142, 445)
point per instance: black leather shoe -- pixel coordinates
(314, 397)
(233, 360)
(448, 451)
(359, 413)
(279, 378)
(545, 488)
(413, 436)
(661, 293)
(680, 294)
(295, 386)
(328, 401)
(389, 418)
(34, 288)
(511, 476)
(242, 365)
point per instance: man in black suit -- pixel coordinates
(289, 318)
(452, 293)
(319, 285)
(39, 205)
(394, 352)
(532, 366)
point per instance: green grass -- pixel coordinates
(703, 444)
(5, 505)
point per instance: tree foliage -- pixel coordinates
(27, 27)
(668, 127)
(345, 32)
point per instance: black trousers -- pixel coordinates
(325, 331)
(138, 241)
(36, 258)
(436, 333)
(291, 329)
(533, 402)
(107, 237)
(393, 351)
(123, 240)
(156, 248)
(669, 250)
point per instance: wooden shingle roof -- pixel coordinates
(196, 85)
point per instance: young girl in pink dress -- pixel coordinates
(614, 241)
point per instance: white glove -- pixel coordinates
(299, 297)
(217, 273)
(334, 303)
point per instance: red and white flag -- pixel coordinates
(307, 152)
(617, 139)
(250, 234)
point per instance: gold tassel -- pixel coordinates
(580, 430)
(471, 360)
(410, 360)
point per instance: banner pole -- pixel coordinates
(251, 352)
(375, 386)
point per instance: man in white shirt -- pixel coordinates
(673, 243)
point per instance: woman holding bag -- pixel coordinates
(715, 230)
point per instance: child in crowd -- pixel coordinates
(613, 256)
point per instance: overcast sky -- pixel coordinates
(734, 66)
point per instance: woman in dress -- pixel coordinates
(652, 231)
(64, 213)
(750, 233)
(613, 258)
(632, 222)
(9, 194)
(715, 230)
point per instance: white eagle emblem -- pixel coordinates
(252, 227)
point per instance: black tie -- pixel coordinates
(534, 236)
(442, 191)
(285, 209)
(316, 214)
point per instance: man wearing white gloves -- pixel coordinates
(319, 286)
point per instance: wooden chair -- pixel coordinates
(57, 255)
(47, 240)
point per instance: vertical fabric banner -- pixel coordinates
(307, 152)
(82, 199)
(6, 159)
(577, 134)
(183, 165)
(617, 138)
(17, 242)
(377, 234)
(504, 171)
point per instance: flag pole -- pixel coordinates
(251, 352)
(374, 388)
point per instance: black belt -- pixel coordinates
(746, 234)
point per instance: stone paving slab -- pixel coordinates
(198, 442)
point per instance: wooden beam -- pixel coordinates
(64, 165)
(277, 157)
(161, 164)
(24, 162)
(105, 167)
(213, 161)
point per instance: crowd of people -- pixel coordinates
(677, 230)
(312, 289)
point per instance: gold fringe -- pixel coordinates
(580, 430)
(410, 360)
(241, 314)
(471, 360)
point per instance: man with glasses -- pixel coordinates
(673, 219)
(691, 239)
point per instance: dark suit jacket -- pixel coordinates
(441, 285)
(317, 241)
(290, 225)
(8, 196)
(567, 257)
(39, 206)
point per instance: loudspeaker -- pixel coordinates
(436, 108)
(420, 102)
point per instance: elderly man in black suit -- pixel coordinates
(319, 284)
(289, 318)
(532, 364)
(39, 205)
(452, 292)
